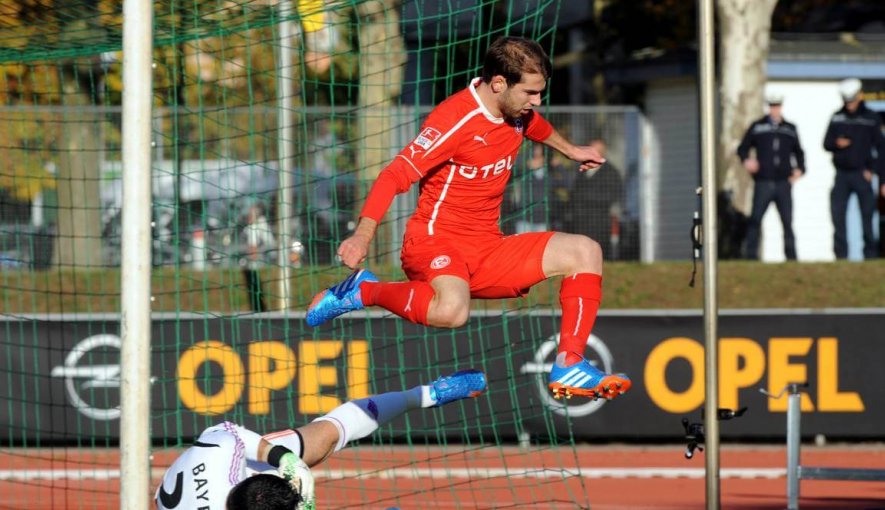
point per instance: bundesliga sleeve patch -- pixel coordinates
(427, 138)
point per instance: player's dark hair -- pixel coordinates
(510, 57)
(263, 492)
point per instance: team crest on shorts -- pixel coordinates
(440, 262)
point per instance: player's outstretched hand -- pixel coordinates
(353, 250)
(588, 157)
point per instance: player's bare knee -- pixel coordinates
(459, 318)
(587, 254)
(449, 315)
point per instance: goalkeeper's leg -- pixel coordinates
(360, 418)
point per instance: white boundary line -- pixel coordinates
(432, 473)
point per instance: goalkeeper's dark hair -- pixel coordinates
(263, 492)
(510, 57)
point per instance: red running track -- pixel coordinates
(486, 477)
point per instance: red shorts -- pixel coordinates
(495, 267)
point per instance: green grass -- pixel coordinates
(626, 286)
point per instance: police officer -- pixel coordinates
(779, 162)
(853, 134)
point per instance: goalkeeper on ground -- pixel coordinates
(228, 467)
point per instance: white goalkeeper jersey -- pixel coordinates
(202, 477)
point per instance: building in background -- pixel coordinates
(808, 72)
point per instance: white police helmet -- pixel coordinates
(773, 96)
(849, 89)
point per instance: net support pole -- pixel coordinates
(135, 322)
(285, 105)
(706, 75)
(794, 411)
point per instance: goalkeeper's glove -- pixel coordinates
(293, 469)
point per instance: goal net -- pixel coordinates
(271, 120)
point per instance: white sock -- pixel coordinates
(360, 418)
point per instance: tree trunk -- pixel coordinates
(78, 241)
(382, 59)
(745, 34)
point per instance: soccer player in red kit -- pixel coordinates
(453, 248)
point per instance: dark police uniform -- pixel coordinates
(778, 151)
(863, 128)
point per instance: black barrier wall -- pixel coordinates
(62, 374)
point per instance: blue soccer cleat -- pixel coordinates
(340, 299)
(585, 380)
(461, 384)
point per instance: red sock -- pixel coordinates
(579, 297)
(409, 300)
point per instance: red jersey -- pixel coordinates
(462, 158)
